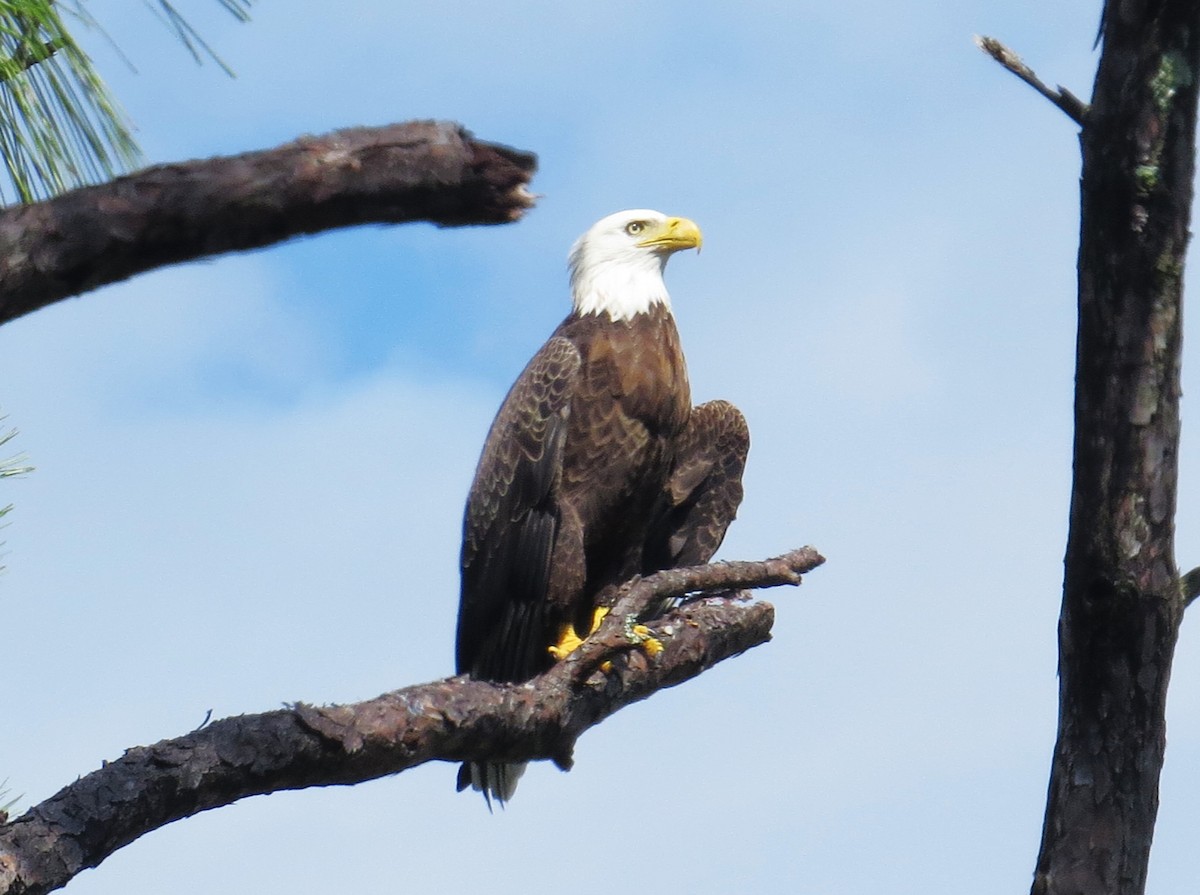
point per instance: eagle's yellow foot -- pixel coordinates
(641, 634)
(569, 640)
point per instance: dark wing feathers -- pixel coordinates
(512, 520)
(705, 487)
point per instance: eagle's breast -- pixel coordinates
(635, 368)
(631, 403)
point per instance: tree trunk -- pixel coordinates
(1122, 602)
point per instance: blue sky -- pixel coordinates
(250, 471)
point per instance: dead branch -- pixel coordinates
(449, 720)
(418, 171)
(1190, 587)
(1075, 108)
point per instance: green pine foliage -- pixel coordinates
(12, 466)
(59, 126)
(197, 45)
(4, 806)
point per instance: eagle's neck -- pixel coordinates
(619, 287)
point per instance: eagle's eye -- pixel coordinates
(633, 228)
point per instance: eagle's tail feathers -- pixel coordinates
(496, 780)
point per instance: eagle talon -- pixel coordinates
(641, 635)
(568, 642)
(569, 639)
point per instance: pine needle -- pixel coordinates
(13, 466)
(60, 127)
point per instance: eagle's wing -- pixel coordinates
(512, 521)
(704, 489)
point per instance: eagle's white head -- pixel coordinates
(617, 266)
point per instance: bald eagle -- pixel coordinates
(597, 468)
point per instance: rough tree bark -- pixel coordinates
(1122, 596)
(452, 720)
(418, 171)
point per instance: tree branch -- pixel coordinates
(418, 171)
(1189, 586)
(1075, 108)
(449, 720)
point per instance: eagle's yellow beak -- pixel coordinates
(672, 235)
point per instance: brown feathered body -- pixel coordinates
(572, 475)
(596, 468)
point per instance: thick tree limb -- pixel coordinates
(449, 720)
(1075, 108)
(1122, 599)
(419, 171)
